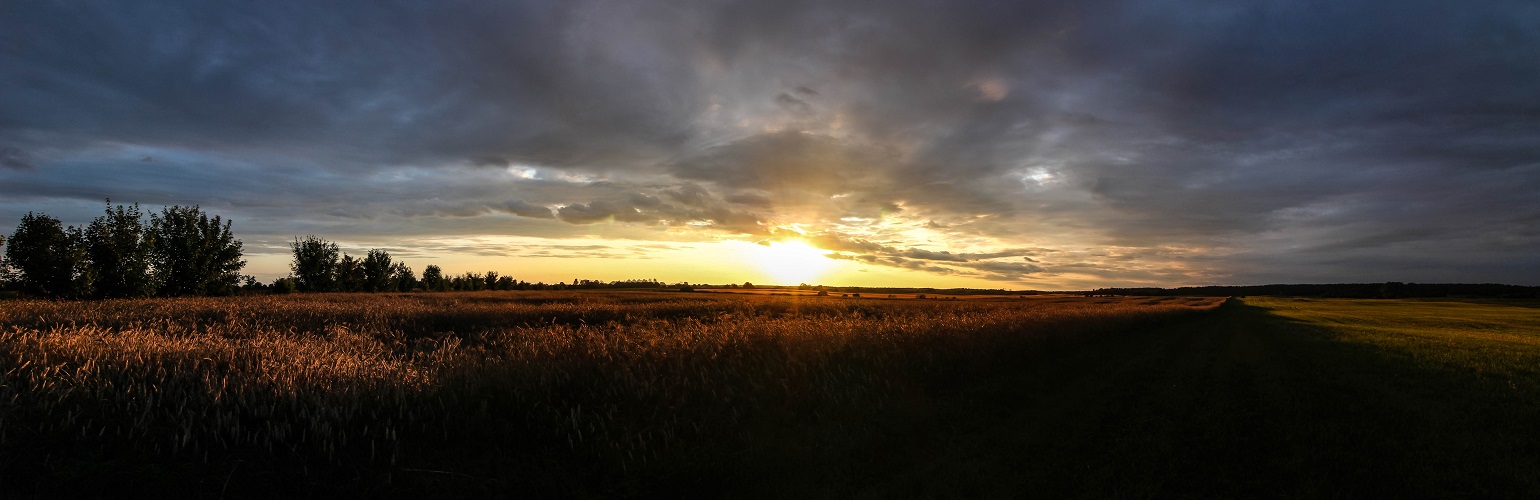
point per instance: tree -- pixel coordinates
(119, 251)
(250, 285)
(433, 279)
(350, 274)
(315, 265)
(403, 278)
(47, 259)
(468, 282)
(491, 280)
(378, 269)
(194, 254)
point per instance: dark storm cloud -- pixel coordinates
(1008, 270)
(1204, 141)
(375, 82)
(690, 195)
(601, 211)
(790, 163)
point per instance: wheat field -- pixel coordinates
(587, 391)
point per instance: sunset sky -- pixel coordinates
(1018, 144)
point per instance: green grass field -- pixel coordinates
(651, 394)
(1264, 398)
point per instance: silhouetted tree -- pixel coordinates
(505, 283)
(194, 254)
(433, 279)
(250, 285)
(489, 280)
(120, 252)
(350, 274)
(378, 269)
(470, 282)
(402, 277)
(314, 265)
(47, 259)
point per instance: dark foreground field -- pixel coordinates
(657, 394)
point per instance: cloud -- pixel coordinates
(1008, 270)
(750, 199)
(1224, 143)
(600, 211)
(524, 209)
(789, 164)
(940, 262)
(15, 159)
(793, 104)
(702, 211)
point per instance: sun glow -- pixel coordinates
(791, 262)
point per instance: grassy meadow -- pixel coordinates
(602, 394)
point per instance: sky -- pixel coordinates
(1051, 145)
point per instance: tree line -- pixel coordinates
(180, 251)
(320, 266)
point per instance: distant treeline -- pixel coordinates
(319, 266)
(183, 251)
(1390, 290)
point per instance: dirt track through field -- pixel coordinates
(1240, 403)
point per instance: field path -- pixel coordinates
(1241, 403)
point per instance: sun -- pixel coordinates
(791, 262)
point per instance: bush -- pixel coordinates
(284, 285)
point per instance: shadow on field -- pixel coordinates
(1233, 404)
(1239, 403)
